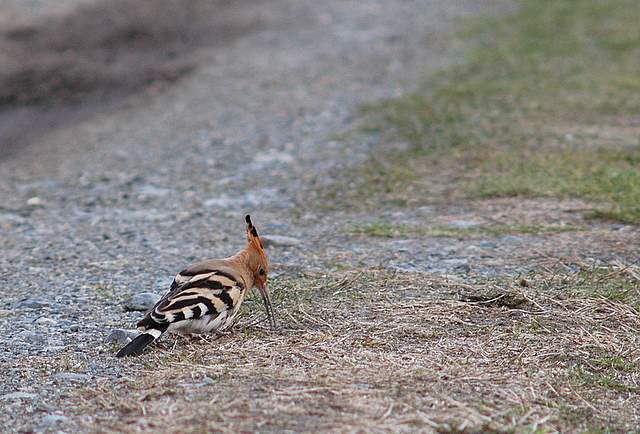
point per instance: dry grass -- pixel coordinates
(381, 351)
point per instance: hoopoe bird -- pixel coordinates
(206, 295)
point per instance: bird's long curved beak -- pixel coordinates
(267, 303)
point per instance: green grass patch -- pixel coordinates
(608, 283)
(388, 229)
(545, 104)
(381, 228)
(585, 377)
(597, 174)
(614, 362)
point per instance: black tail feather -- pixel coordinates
(136, 346)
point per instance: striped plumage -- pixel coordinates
(206, 295)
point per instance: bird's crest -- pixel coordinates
(252, 235)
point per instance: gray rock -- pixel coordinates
(52, 419)
(279, 241)
(30, 337)
(54, 348)
(72, 377)
(18, 395)
(462, 268)
(487, 245)
(219, 202)
(44, 321)
(121, 336)
(425, 210)
(149, 190)
(512, 239)
(31, 303)
(142, 301)
(463, 224)
(35, 201)
(12, 219)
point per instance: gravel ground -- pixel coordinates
(99, 211)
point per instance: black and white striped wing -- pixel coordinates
(194, 302)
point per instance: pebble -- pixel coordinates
(142, 301)
(52, 419)
(279, 241)
(71, 376)
(18, 395)
(121, 336)
(425, 210)
(512, 239)
(44, 321)
(206, 381)
(463, 224)
(219, 202)
(487, 245)
(54, 348)
(35, 201)
(149, 190)
(12, 219)
(30, 337)
(31, 303)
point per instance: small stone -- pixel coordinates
(142, 301)
(4, 312)
(35, 201)
(463, 224)
(121, 336)
(219, 202)
(149, 190)
(512, 239)
(31, 303)
(279, 241)
(273, 156)
(52, 419)
(54, 348)
(18, 395)
(72, 377)
(30, 337)
(462, 268)
(487, 245)
(43, 321)
(12, 219)
(425, 210)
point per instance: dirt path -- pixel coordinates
(95, 212)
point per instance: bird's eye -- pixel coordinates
(261, 271)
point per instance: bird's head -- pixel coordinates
(258, 266)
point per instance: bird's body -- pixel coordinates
(206, 296)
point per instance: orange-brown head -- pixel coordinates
(258, 265)
(257, 260)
